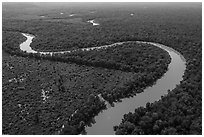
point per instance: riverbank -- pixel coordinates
(41, 57)
(178, 26)
(111, 117)
(37, 55)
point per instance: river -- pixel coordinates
(112, 116)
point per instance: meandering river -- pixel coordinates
(112, 116)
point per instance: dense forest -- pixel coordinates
(179, 27)
(180, 112)
(130, 57)
(81, 88)
(40, 96)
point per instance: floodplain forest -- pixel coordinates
(62, 93)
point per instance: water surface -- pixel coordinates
(113, 115)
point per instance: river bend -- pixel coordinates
(113, 115)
